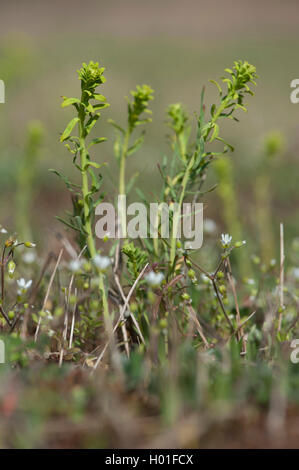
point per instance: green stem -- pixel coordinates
(87, 223)
(122, 168)
(85, 187)
(185, 180)
(177, 214)
(122, 174)
(105, 302)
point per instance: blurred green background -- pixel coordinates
(176, 47)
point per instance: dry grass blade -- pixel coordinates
(281, 278)
(64, 334)
(198, 325)
(121, 316)
(73, 322)
(67, 301)
(239, 331)
(131, 314)
(48, 293)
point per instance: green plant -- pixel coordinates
(138, 114)
(195, 158)
(87, 113)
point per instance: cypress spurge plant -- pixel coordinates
(87, 113)
(138, 114)
(195, 158)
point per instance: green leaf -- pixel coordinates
(99, 97)
(68, 224)
(217, 85)
(215, 132)
(69, 101)
(91, 122)
(97, 141)
(119, 128)
(229, 146)
(132, 182)
(67, 182)
(69, 128)
(94, 165)
(137, 144)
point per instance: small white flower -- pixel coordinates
(29, 257)
(49, 315)
(296, 273)
(23, 285)
(226, 240)
(75, 265)
(102, 262)
(2, 229)
(250, 281)
(205, 278)
(209, 226)
(154, 279)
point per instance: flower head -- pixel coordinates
(154, 279)
(209, 226)
(75, 265)
(91, 75)
(102, 262)
(29, 257)
(23, 285)
(141, 98)
(226, 240)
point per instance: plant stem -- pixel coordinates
(105, 302)
(122, 169)
(85, 189)
(177, 214)
(122, 176)
(87, 223)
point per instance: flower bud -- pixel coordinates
(11, 266)
(30, 245)
(11, 315)
(240, 243)
(163, 323)
(185, 296)
(222, 289)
